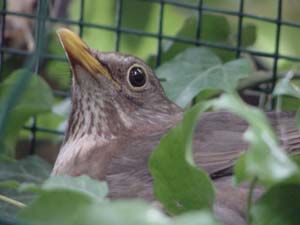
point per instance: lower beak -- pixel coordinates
(78, 53)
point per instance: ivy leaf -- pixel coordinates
(291, 93)
(286, 87)
(31, 169)
(264, 159)
(279, 206)
(75, 208)
(177, 180)
(71, 208)
(188, 30)
(37, 98)
(83, 184)
(24, 179)
(60, 207)
(30, 172)
(210, 34)
(196, 218)
(249, 33)
(198, 69)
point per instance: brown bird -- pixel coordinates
(120, 112)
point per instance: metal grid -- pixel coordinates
(200, 8)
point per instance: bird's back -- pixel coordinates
(218, 139)
(218, 142)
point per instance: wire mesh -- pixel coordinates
(118, 30)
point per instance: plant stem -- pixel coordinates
(249, 199)
(12, 201)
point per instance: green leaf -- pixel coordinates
(286, 87)
(71, 208)
(29, 171)
(177, 181)
(131, 20)
(58, 72)
(59, 207)
(296, 159)
(264, 159)
(75, 208)
(32, 169)
(288, 103)
(279, 206)
(83, 184)
(289, 93)
(196, 218)
(198, 69)
(36, 98)
(207, 94)
(188, 31)
(25, 188)
(249, 33)
(209, 33)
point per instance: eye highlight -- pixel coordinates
(136, 77)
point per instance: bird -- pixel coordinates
(119, 114)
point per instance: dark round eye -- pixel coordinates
(137, 77)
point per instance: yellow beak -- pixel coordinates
(78, 53)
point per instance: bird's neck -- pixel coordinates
(96, 114)
(95, 129)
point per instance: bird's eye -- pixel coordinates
(137, 77)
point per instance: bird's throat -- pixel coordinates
(98, 124)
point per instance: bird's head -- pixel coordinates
(113, 94)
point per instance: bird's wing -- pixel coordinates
(217, 143)
(288, 133)
(218, 139)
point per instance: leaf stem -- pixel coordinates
(12, 201)
(250, 198)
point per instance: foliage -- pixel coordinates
(28, 171)
(81, 184)
(264, 159)
(184, 77)
(36, 99)
(77, 200)
(79, 208)
(177, 180)
(286, 87)
(265, 162)
(289, 91)
(209, 34)
(280, 205)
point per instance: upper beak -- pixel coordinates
(79, 54)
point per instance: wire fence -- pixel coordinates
(200, 8)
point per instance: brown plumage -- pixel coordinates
(117, 119)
